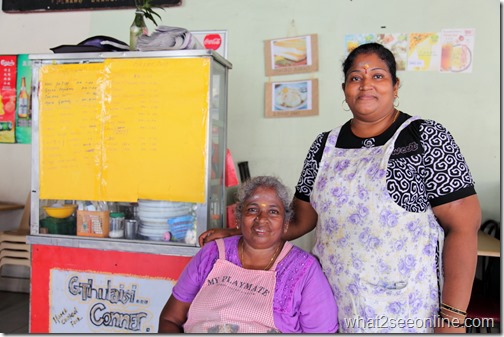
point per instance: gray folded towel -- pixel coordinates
(168, 38)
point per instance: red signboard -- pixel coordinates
(72, 289)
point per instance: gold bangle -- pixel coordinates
(451, 311)
(443, 314)
(455, 310)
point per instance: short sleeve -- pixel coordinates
(447, 176)
(195, 273)
(304, 186)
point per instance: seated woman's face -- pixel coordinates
(263, 220)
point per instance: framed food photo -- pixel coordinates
(291, 55)
(291, 98)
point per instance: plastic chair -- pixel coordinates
(485, 297)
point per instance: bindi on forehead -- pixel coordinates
(364, 65)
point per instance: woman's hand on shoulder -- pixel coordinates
(217, 233)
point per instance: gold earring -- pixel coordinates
(396, 105)
(343, 105)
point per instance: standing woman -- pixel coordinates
(395, 209)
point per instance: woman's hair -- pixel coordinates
(372, 48)
(248, 188)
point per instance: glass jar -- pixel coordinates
(116, 225)
(137, 28)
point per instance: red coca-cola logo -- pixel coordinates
(212, 41)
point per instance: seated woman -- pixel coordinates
(255, 282)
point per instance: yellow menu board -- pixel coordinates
(124, 129)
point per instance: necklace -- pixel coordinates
(270, 263)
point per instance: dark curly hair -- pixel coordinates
(372, 48)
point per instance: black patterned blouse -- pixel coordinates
(425, 168)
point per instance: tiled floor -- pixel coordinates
(14, 312)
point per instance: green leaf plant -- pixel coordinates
(148, 10)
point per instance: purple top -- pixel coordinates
(303, 300)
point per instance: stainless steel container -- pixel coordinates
(130, 229)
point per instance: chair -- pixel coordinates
(13, 247)
(484, 304)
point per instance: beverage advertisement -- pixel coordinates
(7, 98)
(23, 108)
(213, 39)
(457, 49)
(448, 51)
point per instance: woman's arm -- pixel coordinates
(460, 220)
(217, 233)
(173, 316)
(304, 220)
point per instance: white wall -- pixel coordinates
(467, 104)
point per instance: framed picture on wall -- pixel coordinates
(291, 98)
(291, 55)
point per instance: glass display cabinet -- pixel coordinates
(128, 167)
(139, 136)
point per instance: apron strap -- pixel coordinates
(285, 250)
(221, 248)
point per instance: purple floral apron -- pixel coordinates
(381, 260)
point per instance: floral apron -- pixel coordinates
(381, 260)
(234, 299)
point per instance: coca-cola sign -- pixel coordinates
(215, 40)
(212, 41)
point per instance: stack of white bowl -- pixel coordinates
(154, 215)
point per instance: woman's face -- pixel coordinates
(368, 87)
(263, 219)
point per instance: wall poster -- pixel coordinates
(291, 98)
(448, 51)
(8, 68)
(23, 106)
(457, 47)
(291, 55)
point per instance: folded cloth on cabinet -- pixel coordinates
(168, 38)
